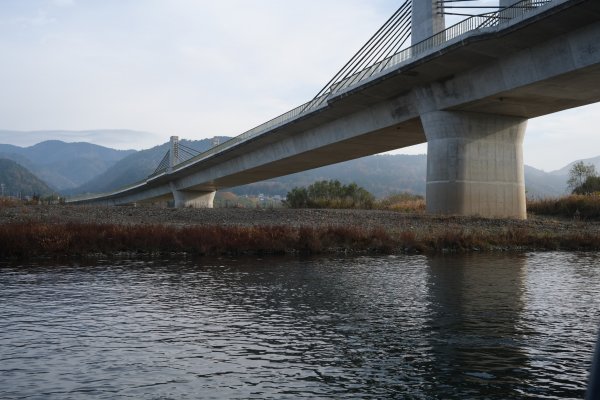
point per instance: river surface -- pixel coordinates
(408, 327)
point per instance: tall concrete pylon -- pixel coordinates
(173, 153)
(427, 19)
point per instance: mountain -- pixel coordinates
(386, 174)
(541, 184)
(379, 174)
(118, 138)
(136, 167)
(564, 171)
(16, 180)
(64, 165)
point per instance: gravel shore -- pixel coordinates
(64, 230)
(388, 220)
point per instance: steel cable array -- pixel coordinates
(187, 152)
(386, 41)
(163, 164)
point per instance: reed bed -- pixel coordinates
(402, 202)
(586, 207)
(9, 202)
(37, 239)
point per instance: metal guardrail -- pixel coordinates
(94, 196)
(305, 108)
(470, 24)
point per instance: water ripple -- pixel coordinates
(484, 327)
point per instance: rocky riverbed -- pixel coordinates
(293, 218)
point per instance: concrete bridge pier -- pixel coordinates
(192, 198)
(475, 164)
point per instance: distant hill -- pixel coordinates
(74, 168)
(64, 165)
(564, 171)
(386, 174)
(17, 180)
(540, 184)
(379, 174)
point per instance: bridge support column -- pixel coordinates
(427, 19)
(475, 164)
(193, 199)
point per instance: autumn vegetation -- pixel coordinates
(584, 201)
(333, 194)
(36, 239)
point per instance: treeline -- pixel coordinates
(584, 201)
(333, 194)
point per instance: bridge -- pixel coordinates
(467, 90)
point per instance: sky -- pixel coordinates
(198, 69)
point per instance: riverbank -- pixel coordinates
(62, 230)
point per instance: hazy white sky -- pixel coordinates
(200, 68)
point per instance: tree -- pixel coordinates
(297, 198)
(579, 173)
(591, 185)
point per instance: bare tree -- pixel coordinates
(579, 173)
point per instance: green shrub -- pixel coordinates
(330, 194)
(589, 186)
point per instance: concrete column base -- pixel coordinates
(475, 164)
(193, 199)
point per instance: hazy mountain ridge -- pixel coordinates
(64, 165)
(379, 174)
(118, 138)
(110, 169)
(18, 181)
(136, 167)
(564, 171)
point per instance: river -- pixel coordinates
(415, 327)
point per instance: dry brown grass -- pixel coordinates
(40, 239)
(402, 202)
(33, 239)
(9, 202)
(586, 207)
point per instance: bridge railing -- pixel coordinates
(93, 196)
(470, 24)
(312, 105)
